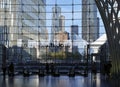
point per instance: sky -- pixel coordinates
(66, 10)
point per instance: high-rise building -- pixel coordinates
(8, 19)
(90, 29)
(25, 20)
(4, 38)
(62, 23)
(56, 13)
(74, 31)
(33, 18)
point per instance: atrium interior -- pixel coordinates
(60, 38)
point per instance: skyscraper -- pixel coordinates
(56, 13)
(22, 20)
(62, 23)
(90, 29)
(74, 31)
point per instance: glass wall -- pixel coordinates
(50, 31)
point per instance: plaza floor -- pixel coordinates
(62, 81)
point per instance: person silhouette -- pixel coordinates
(108, 69)
(47, 68)
(11, 69)
(94, 69)
(4, 69)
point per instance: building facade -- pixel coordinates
(25, 20)
(74, 32)
(56, 13)
(62, 23)
(90, 29)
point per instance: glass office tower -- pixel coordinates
(22, 22)
(90, 26)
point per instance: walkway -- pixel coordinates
(62, 81)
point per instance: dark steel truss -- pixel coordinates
(110, 13)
